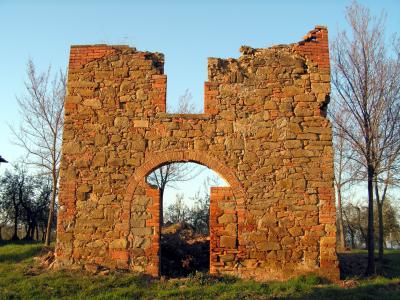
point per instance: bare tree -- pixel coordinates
(178, 212)
(42, 109)
(185, 104)
(356, 226)
(169, 174)
(346, 171)
(366, 82)
(199, 214)
(387, 176)
(392, 222)
(357, 218)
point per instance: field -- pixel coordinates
(22, 278)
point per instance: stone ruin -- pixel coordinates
(264, 130)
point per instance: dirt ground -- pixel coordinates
(183, 251)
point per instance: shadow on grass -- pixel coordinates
(353, 265)
(367, 291)
(12, 252)
(390, 267)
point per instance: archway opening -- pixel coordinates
(184, 216)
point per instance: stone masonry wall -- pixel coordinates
(264, 130)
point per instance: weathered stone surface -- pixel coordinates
(118, 244)
(93, 103)
(263, 130)
(121, 122)
(266, 246)
(227, 218)
(292, 91)
(99, 159)
(228, 242)
(100, 139)
(141, 123)
(71, 148)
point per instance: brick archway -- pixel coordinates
(219, 243)
(157, 159)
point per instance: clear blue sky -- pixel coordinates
(185, 31)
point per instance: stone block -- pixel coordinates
(227, 218)
(227, 257)
(290, 91)
(200, 145)
(118, 244)
(296, 231)
(99, 159)
(141, 231)
(141, 123)
(267, 246)
(121, 122)
(93, 103)
(227, 242)
(293, 144)
(71, 148)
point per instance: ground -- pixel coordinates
(22, 278)
(183, 251)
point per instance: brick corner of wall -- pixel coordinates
(315, 47)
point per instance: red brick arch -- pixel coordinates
(153, 161)
(157, 159)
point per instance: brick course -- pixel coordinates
(264, 130)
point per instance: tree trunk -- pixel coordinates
(27, 232)
(342, 242)
(353, 243)
(161, 207)
(379, 205)
(51, 210)
(37, 232)
(29, 228)
(352, 238)
(380, 231)
(363, 235)
(15, 235)
(43, 233)
(371, 245)
(32, 227)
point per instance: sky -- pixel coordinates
(187, 32)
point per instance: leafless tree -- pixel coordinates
(346, 171)
(42, 109)
(356, 226)
(366, 81)
(199, 214)
(178, 212)
(387, 175)
(356, 223)
(168, 175)
(185, 104)
(391, 219)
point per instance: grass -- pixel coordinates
(353, 264)
(20, 278)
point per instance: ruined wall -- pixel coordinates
(264, 130)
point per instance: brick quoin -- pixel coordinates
(264, 130)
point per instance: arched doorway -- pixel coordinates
(142, 203)
(184, 216)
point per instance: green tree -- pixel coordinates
(16, 190)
